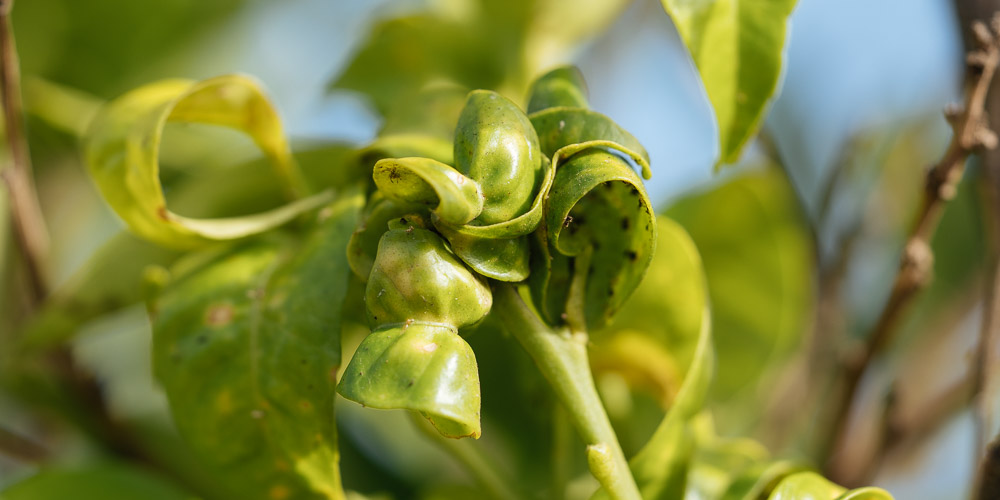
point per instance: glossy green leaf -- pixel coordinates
(417, 278)
(738, 47)
(246, 347)
(496, 145)
(94, 482)
(759, 262)
(561, 127)
(560, 87)
(423, 367)
(418, 295)
(600, 232)
(503, 259)
(122, 148)
(453, 197)
(812, 486)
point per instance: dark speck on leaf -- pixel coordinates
(626, 223)
(202, 339)
(567, 221)
(161, 212)
(611, 291)
(631, 255)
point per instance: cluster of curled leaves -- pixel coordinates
(547, 197)
(460, 193)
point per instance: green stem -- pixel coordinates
(466, 452)
(561, 355)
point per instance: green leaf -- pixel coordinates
(122, 149)
(600, 232)
(759, 262)
(562, 127)
(94, 482)
(246, 347)
(421, 367)
(416, 278)
(403, 54)
(738, 47)
(418, 295)
(669, 303)
(561, 87)
(812, 486)
(496, 145)
(453, 197)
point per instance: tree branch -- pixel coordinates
(971, 134)
(26, 214)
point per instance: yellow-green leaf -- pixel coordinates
(738, 47)
(122, 154)
(247, 348)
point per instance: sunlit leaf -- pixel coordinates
(739, 47)
(812, 486)
(94, 482)
(453, 197)
(418, 295)
(247, 347)
(600, 231)
(122, 148)
(421, 367)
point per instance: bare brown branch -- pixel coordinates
(26, 214)
(971, 135)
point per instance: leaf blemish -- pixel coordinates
(219, 314)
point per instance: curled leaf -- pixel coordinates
(812, 486)
(453, 197)
(565, 126)
(600, 233)
(122, 149)
(503, 259)
(427, 368)
(404, 145)
(416, 278)
(496, 145)
(561, 87)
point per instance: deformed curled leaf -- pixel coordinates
(496, 145)
(453, 197)
(422, 367)
(122, 148)
(561, 127)
(416, 278)
(599, 236)
(812, 486)
(418, 295)
(247, 347)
